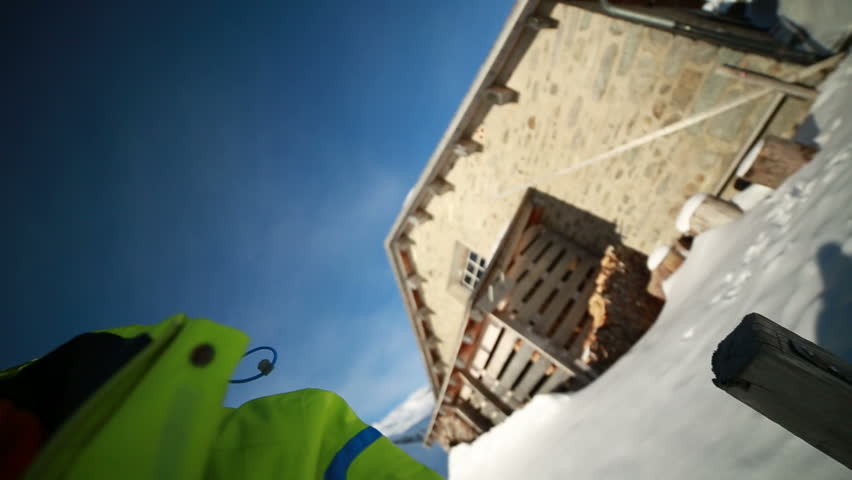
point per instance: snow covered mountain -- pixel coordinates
(406, 425)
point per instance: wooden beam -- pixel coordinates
(773, 159)
(773, 106)
(404, 242)
(414, 281)
(501, 95)
(419, 216)
(539, 22)
(763, 80)
(423, 313)
(792, 381)
(467, 146)
(479, 387)
(440, 185)
(474, 417)
(704, 212)
(662, 263)
(542, 344)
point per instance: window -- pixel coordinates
(465, 272)
(473, 270)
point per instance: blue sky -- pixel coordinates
(240, 164)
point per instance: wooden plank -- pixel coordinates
(476, 399)
(578, 310)
(531, 378)
(575, 350)
(465, 392)
(530, 241)
(567, 293)
(773, 160)
(514, 369)
(494, 289)
(474, 417)
(492, 413)
(534, 269)
(529, 235)
(550, 280)
(543, 344)
(489, 396)
(556, 378)
(518, 235)
(480, 359)
(537, 248)
(501, 353)
(795, 383)
(531, 306)
(489, 338)
(501, 95)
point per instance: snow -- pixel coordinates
(720, 6)
(656, 257)
(411, 411)
(689, 208)
(406, 425)
(655, 414)
(750, 157)
(751, 196)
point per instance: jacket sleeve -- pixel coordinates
(307, 434)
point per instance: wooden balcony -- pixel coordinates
(531, 324)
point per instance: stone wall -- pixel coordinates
(586, 87)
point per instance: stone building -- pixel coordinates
(520, 251)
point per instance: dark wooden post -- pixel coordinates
(792, 381)
(773, 159)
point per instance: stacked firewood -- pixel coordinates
(620, 308)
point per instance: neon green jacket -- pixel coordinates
(161, 417)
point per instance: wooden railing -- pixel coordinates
(535, 318)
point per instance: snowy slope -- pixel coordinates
(655, 414)
(406, 425)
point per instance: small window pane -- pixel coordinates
(482, 262)
(468, 279)
(479, 275)
(473, 257)
(471, 268)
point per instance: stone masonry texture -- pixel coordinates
(586, 87)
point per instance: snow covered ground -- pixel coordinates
(406, 425)
(655, 414)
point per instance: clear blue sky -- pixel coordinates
(237, 163)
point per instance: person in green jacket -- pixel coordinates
(145, 402)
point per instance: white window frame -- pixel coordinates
(460, 259)
(472, 270)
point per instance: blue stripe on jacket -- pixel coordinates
(344, 457)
